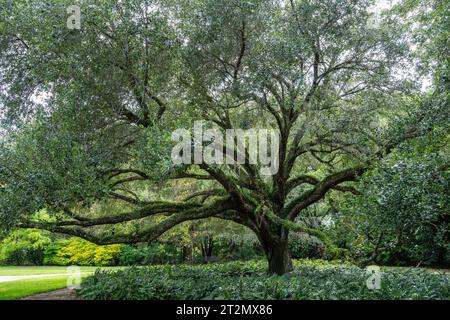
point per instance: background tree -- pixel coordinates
(403, 215)
(89, 112)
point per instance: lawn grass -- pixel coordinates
(25, 287)
(22, 288)
(33, 270)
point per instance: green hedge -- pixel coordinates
(304, 246)
(155, 253)
(76, 251)
(36, 247)
(24, 247)
(248, 280)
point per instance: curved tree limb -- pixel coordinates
(149, 210)
(146, 234)
(321, 188)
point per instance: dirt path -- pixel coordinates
(62, 294)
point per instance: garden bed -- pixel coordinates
(248, 280)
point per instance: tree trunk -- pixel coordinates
(277, 252)
(207, 246)
(279, 259)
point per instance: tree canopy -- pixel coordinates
(88, 113)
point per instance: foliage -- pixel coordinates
(156, 253)
(226, 239)
(88, 113)
(28, 246)
(231, 247)
(238, 280)
(429, 21)
(76, 251)
(305, 246)
(402, 216)
(24, 247)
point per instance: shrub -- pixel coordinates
(24, 247)
(245, 247)
(76, 251)
(130, 256)
(155, 253)
(303, 246)
(401, 218)
(248, 280)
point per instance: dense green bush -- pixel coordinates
(156, 253)
(248, 280)
(304, 246)
(229, 247)
(24, 247)
(402, 217)
(76, 251)
(34, 247)
(215, 240)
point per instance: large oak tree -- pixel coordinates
(88, 113)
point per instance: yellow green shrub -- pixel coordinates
(76, 251)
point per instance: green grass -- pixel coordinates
(25, 287)
(32, 270)
(22, 288)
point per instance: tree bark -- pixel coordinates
(279, 259)
(277, 251)
(207, 246)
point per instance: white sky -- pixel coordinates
(384, 4)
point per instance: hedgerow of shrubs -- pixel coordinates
(24, 247)
(249, 280)
(156, 253)
(76, 251)
(304, 246)
(37, 247)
